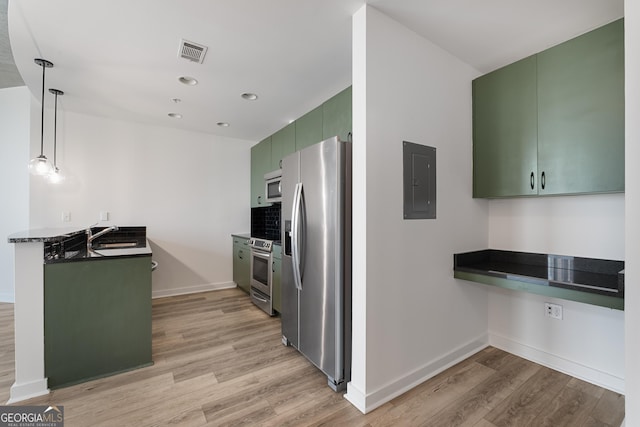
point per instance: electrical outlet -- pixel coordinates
(104, 216)
(66, 216)
(553, 310)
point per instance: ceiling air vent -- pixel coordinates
(192, 51)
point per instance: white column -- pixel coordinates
(632, 210)
(29, 322)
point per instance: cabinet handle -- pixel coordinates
(280, 164)
(543, 180)
(349, 137)
(259, 200)
(240, 254)
(273, 266)
(532, 180)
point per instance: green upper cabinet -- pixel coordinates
(505, 131)
(336, 116)
(581, 113)
(309, 129)
(329, 119)
(260, 164)
(553, 123)
(283, 143)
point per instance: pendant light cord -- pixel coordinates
(42, 115)
(55, 130)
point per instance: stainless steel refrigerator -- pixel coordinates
(316, 261)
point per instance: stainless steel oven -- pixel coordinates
(261, 274)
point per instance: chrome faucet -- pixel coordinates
(91, 237)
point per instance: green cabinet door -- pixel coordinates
(336, 116)
(242, 263)
(581, 113)
(283, 143)
(276, 281)
(97, 318)
(309, 129)
(505, 131)
(260, 164)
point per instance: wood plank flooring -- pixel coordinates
(219, 361)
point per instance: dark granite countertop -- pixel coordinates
(126, 241)
(44, 235)
(70, 244)
(590, 275)
(83, 255)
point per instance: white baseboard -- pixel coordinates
(558, 363)
(24, 391)
(368, 402)
(7, 297)
(356, 397)
(192, 289)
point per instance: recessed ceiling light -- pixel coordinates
(189, 81)
(223, 124)
(249, 96)
(175, 115)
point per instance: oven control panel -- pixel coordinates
(260, 244)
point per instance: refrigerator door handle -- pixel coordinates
(295, 235)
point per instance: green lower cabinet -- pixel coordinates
(581, 114)
(309, 129)
(97, 318)
(241, 263)
(276, 283)
(337, 116)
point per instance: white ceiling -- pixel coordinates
(119, 59)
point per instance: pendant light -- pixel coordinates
(55, 176)
(40, 165)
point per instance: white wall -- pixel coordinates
(632, 213)
(190, 189)
(589, 342)
(410, 314)
(14, 178)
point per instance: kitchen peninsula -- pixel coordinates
(82, 310)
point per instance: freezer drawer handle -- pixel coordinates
(254, 296)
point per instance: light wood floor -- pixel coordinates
(219, 361)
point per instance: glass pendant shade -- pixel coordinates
(55, 177)
(40, 166)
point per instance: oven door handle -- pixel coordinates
(295, 235)
(264, 255)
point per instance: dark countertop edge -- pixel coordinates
(44, 235)
(612, 302)
(52, 235)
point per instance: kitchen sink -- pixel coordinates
(116, 245)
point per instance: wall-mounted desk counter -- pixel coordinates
(588, 280)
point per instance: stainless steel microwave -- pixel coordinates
(273, 188)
